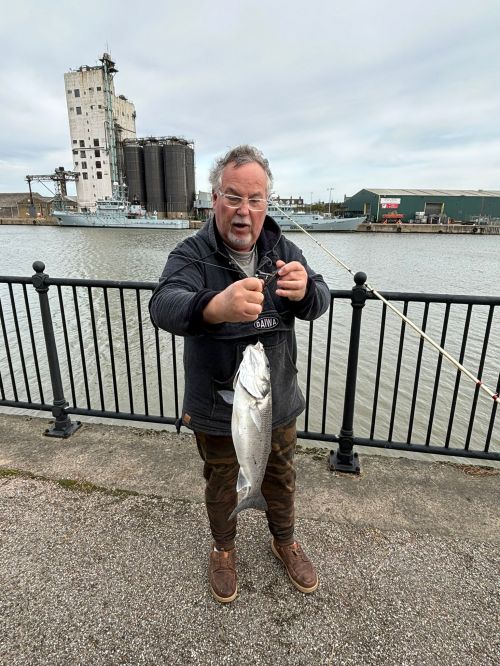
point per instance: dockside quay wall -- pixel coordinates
(484, 230)
(38, 221)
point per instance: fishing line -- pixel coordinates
(410, 323)
(200, 261)
(267, 278)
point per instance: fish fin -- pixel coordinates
(257, 501)
(242, 481)
(227, 396)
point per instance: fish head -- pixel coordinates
(254, 372)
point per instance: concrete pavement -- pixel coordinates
(104, 544)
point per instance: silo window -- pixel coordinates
(96, 142)
(82, 153)
(82, 143)
(84, 165)
(99, 175)
(98, 88)
(85, 176)
(77, 92)
(97, 153)
(78, 110)
(97, 164)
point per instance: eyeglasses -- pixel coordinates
(233, 201)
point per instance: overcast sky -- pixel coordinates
(342, 94)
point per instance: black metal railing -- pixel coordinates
(87, 347)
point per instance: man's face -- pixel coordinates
(240, 227)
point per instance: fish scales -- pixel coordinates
(251, 425)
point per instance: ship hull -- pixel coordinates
(116, 221)
(325, 224)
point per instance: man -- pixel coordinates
(209, 294)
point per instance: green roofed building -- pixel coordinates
(466, 206)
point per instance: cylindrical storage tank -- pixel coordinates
(153, 170)
(174, 157)
(190, 181)
(134, 169)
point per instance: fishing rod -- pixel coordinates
(410, 323)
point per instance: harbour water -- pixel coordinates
(393, 262)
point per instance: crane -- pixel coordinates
(60, 177)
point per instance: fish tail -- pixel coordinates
(257, 501)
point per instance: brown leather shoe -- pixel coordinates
(298, 566)
(222, 575)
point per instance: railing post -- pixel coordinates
(63, 426)
(344, 460)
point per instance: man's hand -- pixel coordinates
(292, 280)
(241, 301)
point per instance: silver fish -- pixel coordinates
(251, 425)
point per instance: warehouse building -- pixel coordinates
(426, 206)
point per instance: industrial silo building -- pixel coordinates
(157, 172)
(160, 173)
(99, 121)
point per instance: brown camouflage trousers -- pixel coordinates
(278, 487)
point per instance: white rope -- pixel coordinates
(410, 323)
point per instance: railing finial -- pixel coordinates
(39, 279)
(38, 266)
(360, 278)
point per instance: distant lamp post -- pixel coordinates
(330, 190)
(311, 206)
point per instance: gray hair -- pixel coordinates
(239, 156)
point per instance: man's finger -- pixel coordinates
(252, 284)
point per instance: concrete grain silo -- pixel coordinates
(174, 159)
(135, 172)
(154, 176)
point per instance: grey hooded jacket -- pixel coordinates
(197, 269)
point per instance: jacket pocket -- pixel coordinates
(287, 396)
(221, 409)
